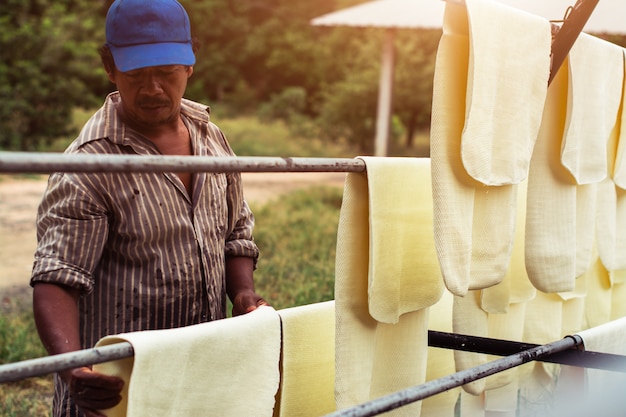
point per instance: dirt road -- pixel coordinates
(19, 198)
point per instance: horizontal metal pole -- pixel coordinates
(41, 162)
(437, 386)
(41, 366)
(490, 346)
(55, 363)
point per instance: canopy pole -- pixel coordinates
(385, 94)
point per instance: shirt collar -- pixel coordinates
(119, 133)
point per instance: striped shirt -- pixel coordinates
(143, 252)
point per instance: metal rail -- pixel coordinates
(437, 386)
(498, 347)
(575, 357)
(40, 163)
(41, 366)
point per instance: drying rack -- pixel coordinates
(564, 35)
(567, 351)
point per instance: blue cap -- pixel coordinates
(148, 33)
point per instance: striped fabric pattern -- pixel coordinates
(144, 253)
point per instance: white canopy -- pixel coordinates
(609, 16)
(387, 13)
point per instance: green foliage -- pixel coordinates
(349, 111)
(249, 136)
(290, 106)
(348, 97)
(220, 30)
(78, 118)
(18, 334)
(267, 45)
(297, 237)
(48, 56)
(28, 398)
(349, 100)
(413, 81)
(255, 57)
(284, 105)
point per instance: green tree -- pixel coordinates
(252, 45)
(413, 84)
(221, 28)
(348, 102)
(48, 66)
(348, 98)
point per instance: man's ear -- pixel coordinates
(110, 72)
(189, 71)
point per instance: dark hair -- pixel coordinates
(107, 57)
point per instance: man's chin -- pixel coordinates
(156, 115)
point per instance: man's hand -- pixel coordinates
(240, 285)
(247, 301)
(93, 391)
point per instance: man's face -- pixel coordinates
(151, 96)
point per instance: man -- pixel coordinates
(121, 252)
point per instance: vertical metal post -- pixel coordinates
(385, 94)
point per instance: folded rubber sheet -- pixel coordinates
(307, 361)
(385, 220)
(221, 368)
(481, 137)
(569, 181)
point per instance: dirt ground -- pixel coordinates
(19, 198)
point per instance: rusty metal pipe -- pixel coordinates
(31, 162)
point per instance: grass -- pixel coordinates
(296, 236)
(28, 397)
(17, 330)
(297, 241)
(32, 397)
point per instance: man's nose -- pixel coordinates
(152, 85)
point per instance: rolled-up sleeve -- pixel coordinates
(71, 233)
(240, 241)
